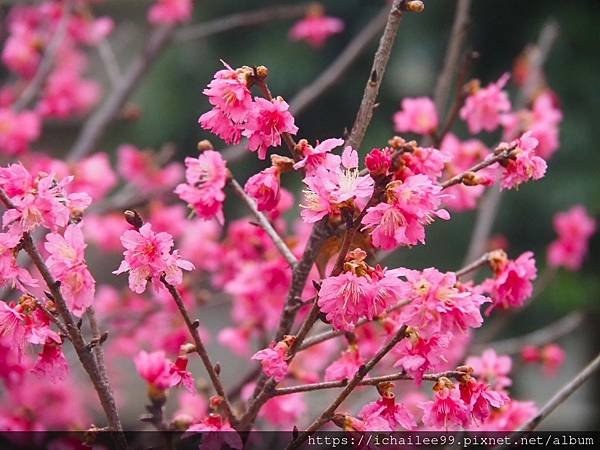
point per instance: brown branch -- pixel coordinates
(109, 61)
(452, 58)
(98, 122)
(355, 381)
(265, 224)
(382, 56)
(563, 394)
(546, 335)
(201, 350)
(239, 20)
(480, 262)
(365, 382)
(82, 348)
(46, 65)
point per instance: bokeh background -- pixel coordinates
(170, 102)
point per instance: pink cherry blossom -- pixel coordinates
(417, 355)
(421, 160)
(481, 399)
(267, 121)
(142, 169)
(418, 115)
(154, 368)
(512, 416)
(264, 187)
(492, 368)
(411, 205)
(525, 165)
(94, 176)
(18, 131)
(179, 375)
(574, 228)
(229, 92)
(273, 361)
(395, 414)
(12, 324)
(319, 155)
(11, 273)
(67, 265)
(447, 411)
(206, 177)
(482, 110)
(346, 366)
(379, 161)
(512, 285)
(170, 11)
(51, 364)
(216, 432)
(438, 304)
(316, 28)
(285, 410)
(552, 357)
(217, 122)
(148, 256)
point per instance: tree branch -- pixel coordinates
(201, 350)
(563, 394)
(382, 56)
(265, 224)
(355, 381)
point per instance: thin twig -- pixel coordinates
(265, 224)
(380, 61)
(46, 65)
(109, 60)
(546, 335)
(355, 381)
(563, 394)
(452, 58)
(239, 20)
(201, 350)
(480, 262)
(365, 382)
(98, 122)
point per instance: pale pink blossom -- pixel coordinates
(411, 205)
(267, 121)
(418, 115)
(524, 165)
(206, 177)
(18, 131)
(316, 29)
(346, 366)
(574, 228)
(94, 176)
(67, 264)
(482, 110)
(170, 11)
(492, 368)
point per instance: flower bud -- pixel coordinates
(204, 145)
(378, 162)
(133, 218)
(415, 6)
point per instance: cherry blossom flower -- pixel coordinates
(11, 273)
(482, 110)
(379, 161)
(264, 187)
(438, 304)
(447, 411)
(574, 228)
(18, 131)
(512, 284)
(346, 366)
(417, 355)
(148, 256)
(285, 410)
(94, 176)
(421, 160)
(154, 368)
(179, 375)
(524, 165)
(12, 324)
(217, 122)
(273, 360)
(267, 121)
(394, 413)
(552, 357)
(316, 27)
(229, 92)
(319, 155)
(142, 169)
(512, 416)
(481, 399)
(170, 11)
(67, 264)
(492, 368)
(216, 432)
(411, 205)
(418, 115)
(51, 364)
(206, 177)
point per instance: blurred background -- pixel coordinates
(170, 100)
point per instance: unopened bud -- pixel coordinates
(283, 163)
(133, 218)
(415, 6)
(187, 348)
(204, 145)
(261, 72)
